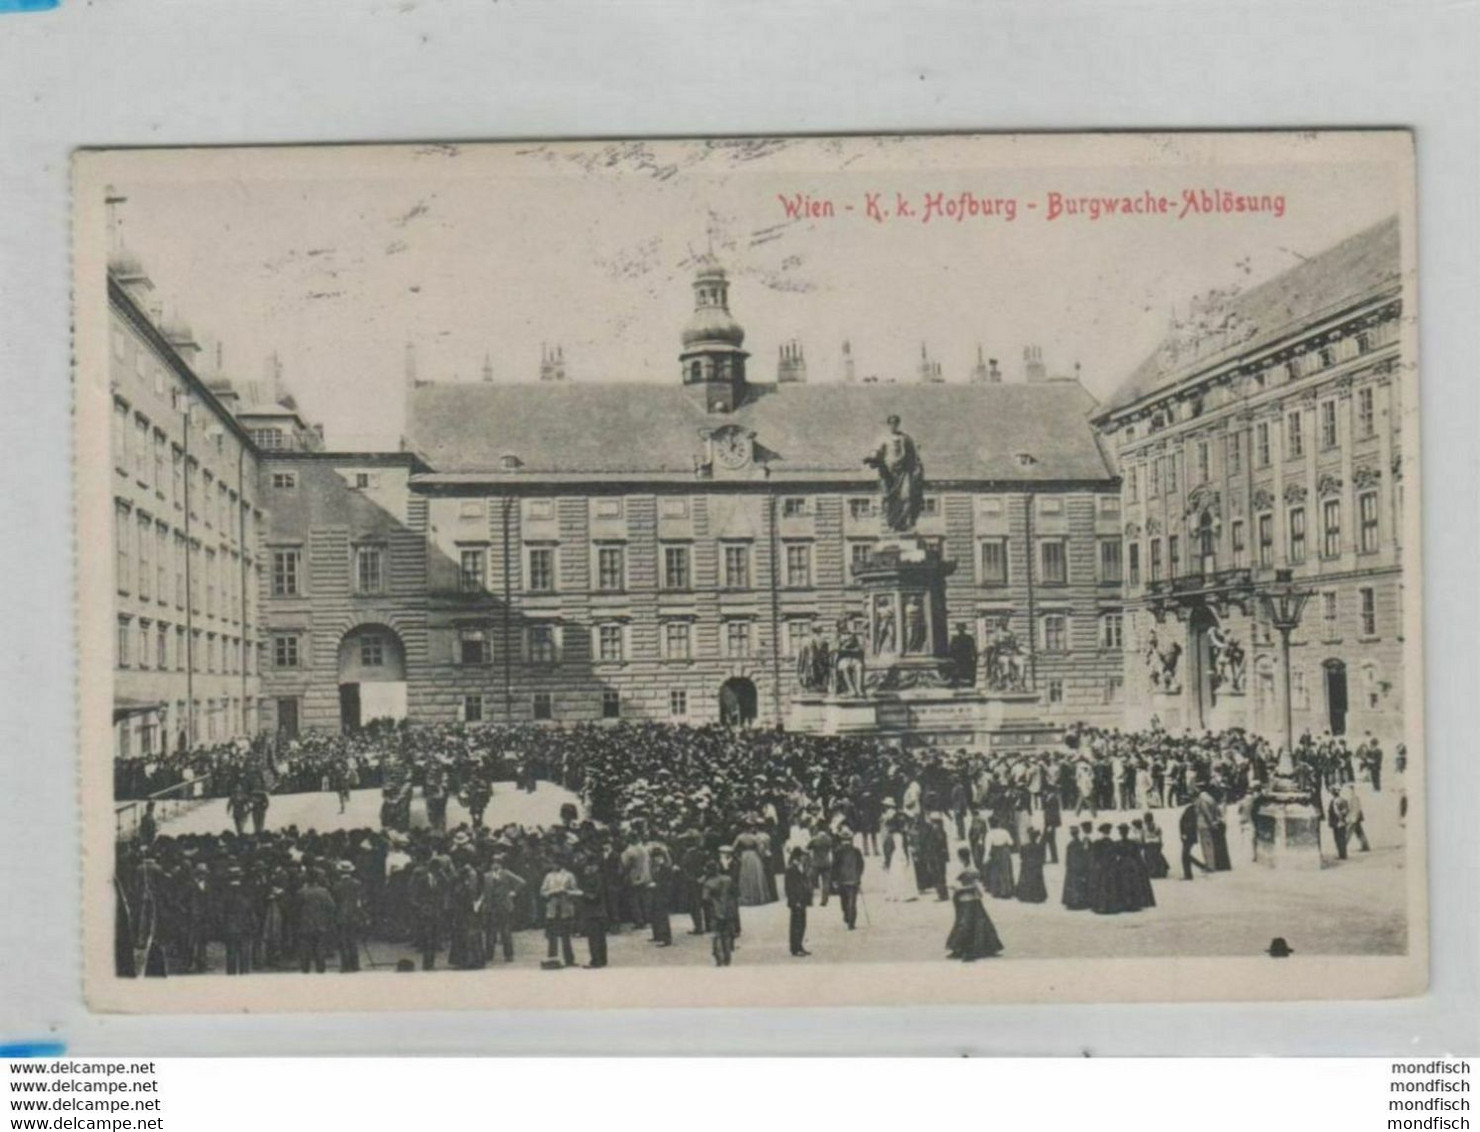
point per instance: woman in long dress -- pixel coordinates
(1157, 867)
(899, 875)
(753, 887)
(1076, 871)
(999, 861)
(1030, 886)
(973, 935)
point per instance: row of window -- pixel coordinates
(145, 452)
(368, 571)
(152, 564)
(1161, 471)
(157, 645)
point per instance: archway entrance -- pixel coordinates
(737, 702)
(1335, 671)
(1202, 669)
(372, 676)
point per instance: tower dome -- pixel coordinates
(712, 360)
(711, 320)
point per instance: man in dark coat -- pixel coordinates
(935, 848)
(962, 653)
(348, 916)
(593, 910)
(501, 889)
(316, 914)
(1187, 829)
(1053, 817)
(238, 924)
(847, 875)
(798, 899)
(820, 859)
(424, 906)
(691, 863)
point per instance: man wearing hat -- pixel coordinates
(501, 890)
(348, 913)
(847, 875)
(798, 899)
(316, 914)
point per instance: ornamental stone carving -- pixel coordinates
(1295, 493)
(1262, 500)
(1328, 485)
(1364, 478)
(1132, 530)
(1203, 498)
(1153, 527)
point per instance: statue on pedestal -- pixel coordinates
(848, 670)
(901, 476)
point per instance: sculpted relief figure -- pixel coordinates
(901, 477)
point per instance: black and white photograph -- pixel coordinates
(750, 571)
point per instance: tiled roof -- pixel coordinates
(964, 432)
(1326, 283)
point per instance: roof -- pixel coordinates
(964, 432)
(1324, 284)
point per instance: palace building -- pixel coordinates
(1263, 436)
(570, 552)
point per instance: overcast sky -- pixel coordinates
(337, 258)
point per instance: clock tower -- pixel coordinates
(712, 362)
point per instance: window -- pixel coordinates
(609, 508)
(1174, 556)
(859, 555)
(1112, 630)
(675, 567)
(268, 439)
(179, 571)
(1171, 474)
(1133, 484)
(177, 477)
(1368, 598)
(1364, 341)
(372, 650)
(285, 572)
(1053, 562)
(1114, 689)
(795, 633)
(930, 505)
(1110, 553)
(1331, 528)
(798, 565)
(609, 643)
(472, 646)
(1054, 631)
(207, 498)
(861, 508)
(1055, 691)
(737, 566)
(141, 449)
(369, 569)
(1133, 562)
(1366, 413)
(1109, 506)
(472, 709)
(1329, 623)
(994, 562)
(162, 564)
(124, 642)
(470, 571)
(541, 574)
(673, 507)
(1367, 515)
(1266, 540)
(1299, 690)
(1261, 444)
(145, 539)
(542, 644)
(144, 641)
(1328, 424)
(678, 703)
(180, 649)
(1292, 369)
(1153, 469)
(611, 704)
(611, 568)
(1204, 463)
(122, 536)
(737, 639)
(1156, 560)
(1240, 547)
(1050, 505)
(1297, 534)
(544, 705)
(362, 481)
(793, 507)
(285, 650)
(676, 640)
(1235, 453)
(1294, 436)
(162, 646)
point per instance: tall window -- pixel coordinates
(1174, 556)
(737, 565)
(611, 704)
(994, 562)
(472, 710)
(285, 572)
(795, 632)
(1240, 549)
(180, 571)
(675, 567)
(1133, 563)
(859, 554)
(144, 641)
(1367, 512)
(1331, 528)
(162, 563)
(285, 650)
(544, 705)
(472, 646)
(369, 569)
(793, 507)
(609, 641)
(1329, 617)
(1156, 560)
(1261, 444)
(676, 640)
(737, 639)
(1369, 611)
(861, 507)
(1110, 553)
(471, 570)
(124, 643)
(1366, 413)
(611, 568)
(1112, 630)
(1235, 453)
(1054, 562)
(541, 569)
(211, 583)
(1204, 464)
(798, 565)
(162, 646)
(372, 650)
(1266, 540)
(146, 545)
(1297, 534)
(1055, 632)
(1171, 474)
(1294, 436)
(678, 703)
(122, 536)
(1133, 484)
(542, 644)
(1153, 470)
(1328, 424)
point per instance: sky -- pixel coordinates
(336, 258)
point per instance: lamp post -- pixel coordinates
(1283, 605)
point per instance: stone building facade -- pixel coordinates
(1266, 435)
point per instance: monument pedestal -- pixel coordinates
(1287, 833)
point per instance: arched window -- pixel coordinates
(696, 371)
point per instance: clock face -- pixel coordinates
(732, 448)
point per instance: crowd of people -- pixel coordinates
(697, 822)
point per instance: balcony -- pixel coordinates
(1217, 588)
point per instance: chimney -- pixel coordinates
(1033, 364)
(849, 375)
(994, 375)
(791, 366)
(552, 363)
(980, 373)
(928, 371)
(411, 380)
(487, 369)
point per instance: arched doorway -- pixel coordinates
(1202, 668)
(737, 702)
(372, 676)
(1336, 703)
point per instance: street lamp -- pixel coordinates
(1283, 605)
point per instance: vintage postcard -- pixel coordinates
(750, 572)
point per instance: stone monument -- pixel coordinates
(1287, 821)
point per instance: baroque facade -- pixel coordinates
(1263, 436)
